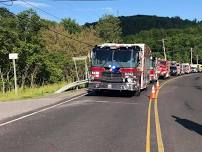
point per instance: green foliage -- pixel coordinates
(109, 29)
(134, 24)
(71, 26)
(31, 92)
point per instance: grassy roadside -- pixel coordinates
(31, 92)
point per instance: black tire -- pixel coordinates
(130, 93)
(98, 92)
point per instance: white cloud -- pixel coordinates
(32, 4)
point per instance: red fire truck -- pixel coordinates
(153, 76)
(123, 67)
(163, 68)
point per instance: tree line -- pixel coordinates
(134, 24)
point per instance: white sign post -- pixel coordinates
(14, 56)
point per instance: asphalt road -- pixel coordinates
(113, 123)
(180, 112)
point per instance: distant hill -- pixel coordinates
(134, 24)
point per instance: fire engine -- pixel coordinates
(153, 76)
(163, 67)
(123, 67)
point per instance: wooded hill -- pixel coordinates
(134, 24)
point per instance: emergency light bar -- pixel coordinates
(116, 45)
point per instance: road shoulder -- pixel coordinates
(16, 108)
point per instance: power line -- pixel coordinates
(6, 1)
(67, 36)
(40, 9)
(47, 28)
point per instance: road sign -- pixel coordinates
(13, 56)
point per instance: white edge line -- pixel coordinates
(42, 110)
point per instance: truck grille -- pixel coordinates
(108, 76)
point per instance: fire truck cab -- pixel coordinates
(163, 68)
(123, 67)
(175, 68)
(153, 70)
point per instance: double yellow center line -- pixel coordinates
(148, 127)
(157, 122)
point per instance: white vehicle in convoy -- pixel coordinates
(186, 68)
(194, 68)
(200, 68)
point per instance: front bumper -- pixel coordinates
(112, 86)
(162, 74)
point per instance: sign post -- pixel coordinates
(14, 56)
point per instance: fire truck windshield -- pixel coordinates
(104, 57)
(173, 68)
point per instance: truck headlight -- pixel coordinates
(96, 73)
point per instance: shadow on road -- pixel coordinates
(111, 94)
(196, 78)
(192, 126)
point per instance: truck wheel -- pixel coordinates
(98, 92)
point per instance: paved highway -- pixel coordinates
(115, 123)
(180, 112)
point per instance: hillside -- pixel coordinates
(134, 24)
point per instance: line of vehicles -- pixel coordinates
(130, 68)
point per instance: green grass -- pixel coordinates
(31, 92)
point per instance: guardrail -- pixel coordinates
(71, 85)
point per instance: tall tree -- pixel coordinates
(29, 26)
(109, 29)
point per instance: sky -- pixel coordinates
(91, 11)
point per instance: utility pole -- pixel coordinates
(191, 54)
(197, 59)
(15, 77)
(164, 49)
(117, 13)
